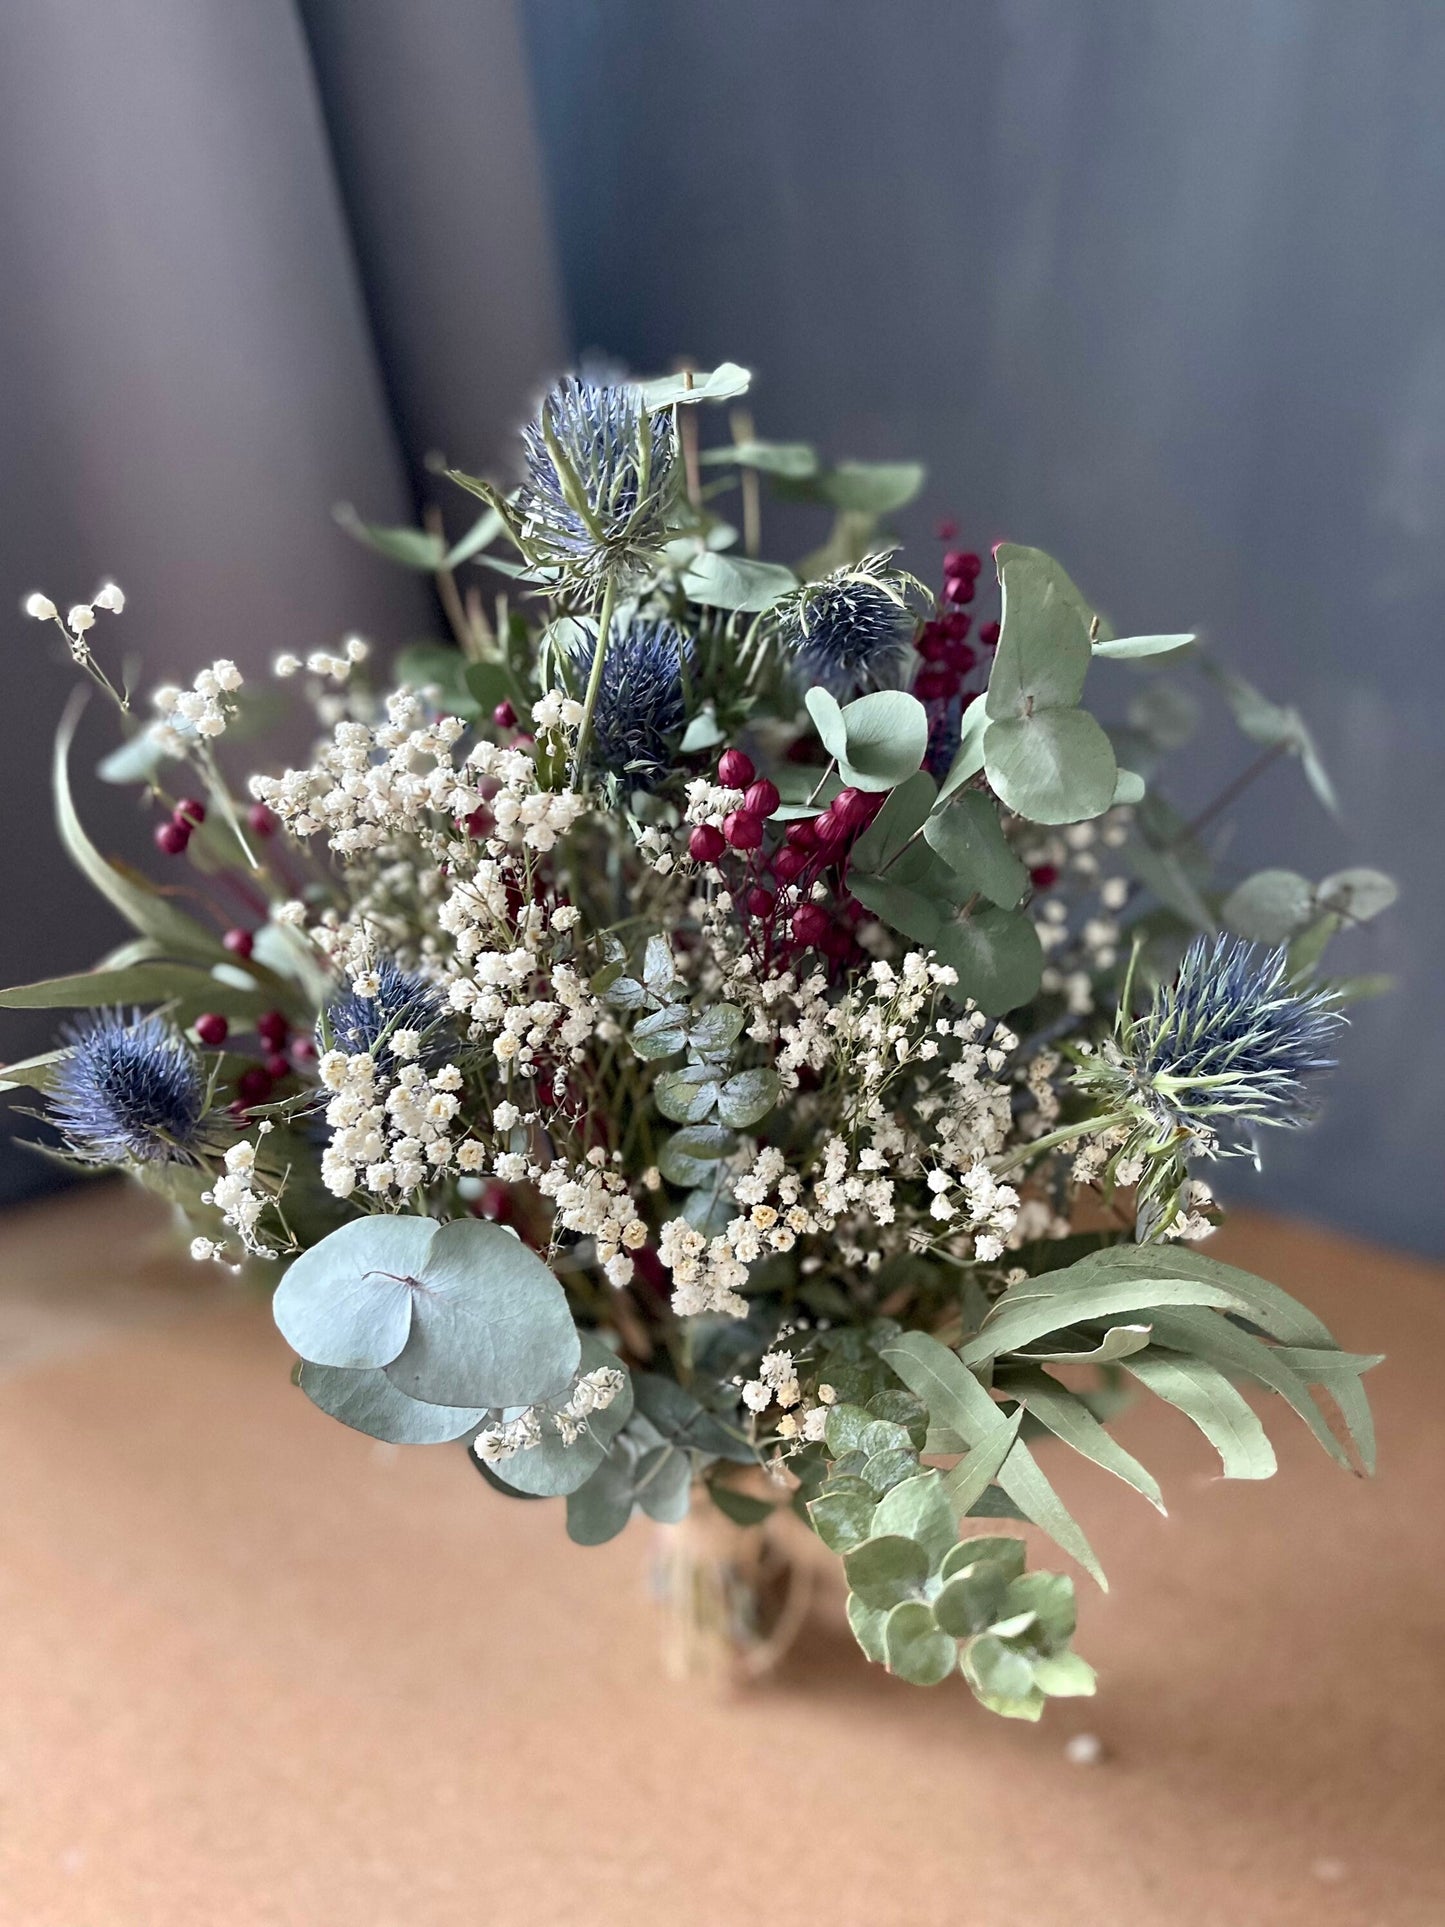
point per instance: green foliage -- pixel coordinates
(878, 740)
(732, 582)
(926, 1604)
(460, 1314)
(552, 1468)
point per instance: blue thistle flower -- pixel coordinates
(403, 1001)
(1228, 1045)
(601, 479)
(131, 1091)
(849, 631)
(641, 701)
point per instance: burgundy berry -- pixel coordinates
(936, 683)
(734, 770)
(479, 823)
(240, 943)
(762, 797)
(272, 1028)
(212, 1029)
(743, 830)
(789, 864)
(253, 1086)
(810, 925)
(278, 1065)
(801, 835)
(760, 902)
(830, 828)
(955, 625)
(504, 716)
(190, 810)
(961, 656)
(959, 588)
(988, 635)
(303, 1049)
(172, 837)
(947, 530)
(852, 807)
(837, 943)
(261, 820)
(706, 844)
(1044, 876)
(962, 562)
(932, 642)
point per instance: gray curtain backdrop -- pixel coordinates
(258, 260)
(1160, 288)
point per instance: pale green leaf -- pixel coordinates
(1052, 766)
(368, 1402)
(1216, 1407)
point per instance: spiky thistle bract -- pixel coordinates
(130, 1090)
(404, 1001)
(641, 700)
(850, 630)
(602, 481)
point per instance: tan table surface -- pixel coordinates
(255, 1669)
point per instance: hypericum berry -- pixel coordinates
(956, 624)
(240, 943)
(853, 808)
(947, 529)
(1043, 876)
(789, 864)
(212, 1029)
(837, 943)
(810, 926)
(760, 902)
(960, 656)
(304, 1050)
(932, 643)
(762, 797)
(988, 635)
(504, 716)
(936, 683)
(959, 588)
(743, 830)
(278, 1065)
(735, 770)
(273, 1028)
(707, 843)
(190, 810)
(801, 835)
(253, 1086)
(261, 820)
(480, 823)
(830, 829)
(962, 562)
(172, 837)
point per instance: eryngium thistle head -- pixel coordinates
(131, 1090)
(403, 1001)
(849, 631)
(641, 703)
(601, 483)
(1228, 1046)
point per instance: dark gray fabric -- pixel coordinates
(191, 379)
(1159, 288)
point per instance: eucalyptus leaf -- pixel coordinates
(1071, 1420)
(1052, 766)
(902, 909)
(747, 1097)
(1044, 648)
(886, 1570)
(1357, 895)
(796, 460)
(348, 1300)
(688, 1095)
(886, 739)
(368, 1402)
(412, 548)
(966, 832)
(968, 758)
(997, 955)
(1269, 907)
(870, 488)
(734, 582)
(895, 825)
(599, 1510)
(919, 1510)
(550, 1469)
(842, 1514)
(725, 383)
(490, 1324)
(1135, 648)
(917, 1650)
(1216, 1407)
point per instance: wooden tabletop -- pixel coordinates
(257, 1671)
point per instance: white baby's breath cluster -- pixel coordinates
(506, 1437)
(200, 713)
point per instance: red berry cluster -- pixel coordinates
(281, 1052)
(808, 850)
(948, 659)
(174, 834)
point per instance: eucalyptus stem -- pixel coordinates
(594, 680)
